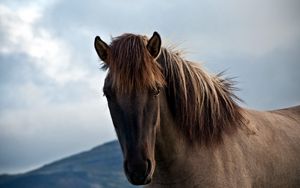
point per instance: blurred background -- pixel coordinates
(51, 103)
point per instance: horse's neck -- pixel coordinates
(180, 164)
(173, 154)
(169, 154)
(169, 143)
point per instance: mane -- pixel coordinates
(131, 67)
(204, 105)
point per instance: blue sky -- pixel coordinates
(51, 101)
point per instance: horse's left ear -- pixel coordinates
(154, 45)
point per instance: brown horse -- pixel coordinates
(179, 126)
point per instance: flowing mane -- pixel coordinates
(204, 104)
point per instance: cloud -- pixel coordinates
(46, 133)
(50, 100)
(41, 120)
(21, 35)
(266, 82)
(212, 27)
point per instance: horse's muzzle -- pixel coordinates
(138, 172)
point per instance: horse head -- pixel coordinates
(132, 87)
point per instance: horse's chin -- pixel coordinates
(139, 180)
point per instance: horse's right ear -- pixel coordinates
(102, 48)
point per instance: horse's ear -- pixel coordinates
(102, 48)
(154, 45)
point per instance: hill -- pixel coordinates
(101, 167)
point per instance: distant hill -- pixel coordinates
(100, 167)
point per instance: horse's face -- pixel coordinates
(135, 116)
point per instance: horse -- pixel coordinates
(180, 126)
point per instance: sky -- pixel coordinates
(51, 103)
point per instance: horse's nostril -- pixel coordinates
(138, 172)
(149, 167)
(141, 168)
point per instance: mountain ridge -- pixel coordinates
(98, 167)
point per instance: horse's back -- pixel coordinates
(293, 112)
(277, 142)
(287, 120)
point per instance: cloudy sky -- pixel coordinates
(51, 101)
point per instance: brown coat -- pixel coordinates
(265, 152)
(179, 126)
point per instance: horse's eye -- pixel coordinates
(156, 92)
